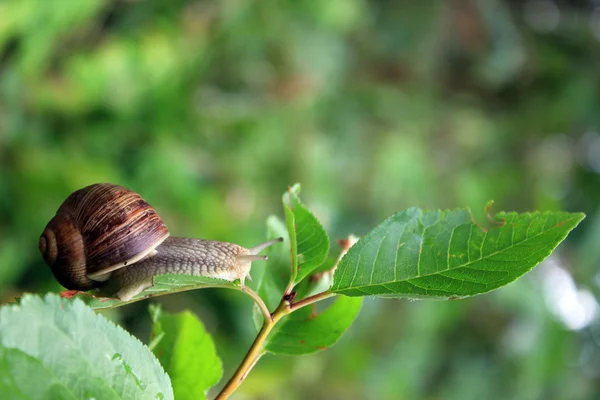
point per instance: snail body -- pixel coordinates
(188, 256)
(108, 237)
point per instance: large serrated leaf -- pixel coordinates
(304, 333)
(187, 352)
(54, 348)
(446, 254)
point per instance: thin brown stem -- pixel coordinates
(289, 288)
(311, 299)
(249, 360)
(256, 350)
(259, 302)
(254, 353)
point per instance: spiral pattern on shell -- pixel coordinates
(97, 230)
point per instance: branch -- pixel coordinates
(311, 299)
(255, 352)
(259, 302)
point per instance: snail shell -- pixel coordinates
(98, 229)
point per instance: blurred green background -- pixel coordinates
(210, 109)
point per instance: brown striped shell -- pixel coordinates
(97, 230)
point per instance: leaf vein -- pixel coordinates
(377, 255)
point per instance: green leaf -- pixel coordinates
(321, 277)
(304, 333)
(308, 287)
(271, 278)
(18, 369)
(310, 243)
(305, 242)
(291, 228)
(439, 254)
(187, 353)
(163, 284)
(327, 265)
(71, 352)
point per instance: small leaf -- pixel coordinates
(304, 333)
(271, 278)
(439, 254)
(68, 351)
(291, 228)
(321, 278)
(163, 284)
(308, 240)
(187, 352)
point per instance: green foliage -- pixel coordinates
(307, 331)
(305, 248)
(163, 284)
(414, 253)
(290, 224)
(186, 350)
(18, 369)
(271, 278)
(210, 109)
(446, 254)
(308, 240)
(56, 348)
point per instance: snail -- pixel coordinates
(106, 236)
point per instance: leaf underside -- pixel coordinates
(445, 254)
(163, 284)
(65, 350)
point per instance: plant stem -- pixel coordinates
(259, 302)
(255, 351)
(311, 299)
(289, 288)
(249, 360)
